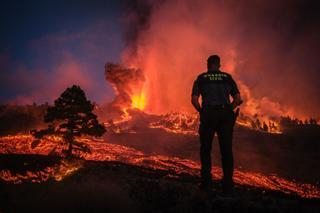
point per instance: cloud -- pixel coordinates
(43, 85)
(59, 60)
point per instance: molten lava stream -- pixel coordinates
(111, 152)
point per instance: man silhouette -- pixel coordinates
(216, 116)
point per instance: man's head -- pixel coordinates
(213, 62)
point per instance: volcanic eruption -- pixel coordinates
(171, 40)
(150, 122)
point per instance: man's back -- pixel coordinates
(216, 116)
(215, 87)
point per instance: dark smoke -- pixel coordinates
(136, 21)
(123, 81)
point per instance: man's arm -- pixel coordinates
(235, 93)
(237, 100)
(195, 102)
(195, 95)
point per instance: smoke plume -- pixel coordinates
(124, 82)
(270, 48)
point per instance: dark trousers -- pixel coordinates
(220, 121)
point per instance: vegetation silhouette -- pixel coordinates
(70, 118)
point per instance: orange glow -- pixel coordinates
(114, 152)
(187, 124)
(172, 54)
(57, 172)
(138, 101)
(179, 123)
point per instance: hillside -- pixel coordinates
(118, 187)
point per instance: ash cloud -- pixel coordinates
(136, 21)
(123, 80)
(270, 47)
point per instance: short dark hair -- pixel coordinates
(213, 59)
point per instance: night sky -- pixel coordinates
(47, 46)
(53, 44)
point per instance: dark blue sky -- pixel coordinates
(42, 40)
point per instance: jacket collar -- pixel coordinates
(213, 71)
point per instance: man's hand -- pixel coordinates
(195, 103)
(237, 101)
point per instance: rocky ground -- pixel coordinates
(118, 187)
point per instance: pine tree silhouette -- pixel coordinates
(71, 117)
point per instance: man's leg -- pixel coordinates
(225, 132)
(206, 136)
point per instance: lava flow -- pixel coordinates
(187, 123)
(22, 144)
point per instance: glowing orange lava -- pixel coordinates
(112, 152)
(138, 101)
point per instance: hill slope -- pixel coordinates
(117, 187)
